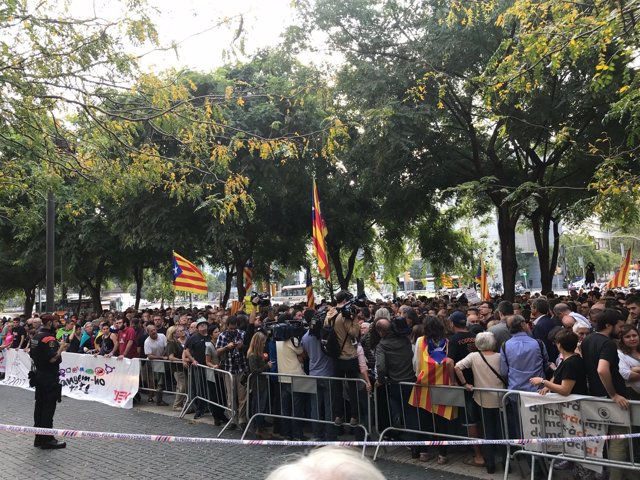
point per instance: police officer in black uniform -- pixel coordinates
(46, 353)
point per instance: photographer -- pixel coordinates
(346, 365)
(229, 347)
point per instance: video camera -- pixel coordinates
(261, 299)
(317, 321)
(283, 331)
(351, 307)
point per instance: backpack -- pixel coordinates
(329, 340)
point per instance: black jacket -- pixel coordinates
(394, 360)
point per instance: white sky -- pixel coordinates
(197, 27)
(192, 23)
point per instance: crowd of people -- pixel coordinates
(585, 342)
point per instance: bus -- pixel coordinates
(290, 294)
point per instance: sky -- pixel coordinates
(192, 24)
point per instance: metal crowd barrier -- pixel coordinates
(291, 399)
(161, 378)
(393, 413)
(584, 417)
(213, 388)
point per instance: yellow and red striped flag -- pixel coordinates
(309, 289)
(248, 276)
(235, 307)
(481, 279)
(187, 277)
(319, 234)
(620, 279)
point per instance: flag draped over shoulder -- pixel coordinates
(248, 276)
(621, 278)
(186, 276)
(309, 289)
(319, 234)
(481, 279)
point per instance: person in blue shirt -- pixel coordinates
(522, 357)
(320, 365)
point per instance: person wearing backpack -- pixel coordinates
(345, 330)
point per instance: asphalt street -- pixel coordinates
(93, 458)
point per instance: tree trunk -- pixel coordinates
(80, 293)
(96, 298)
(138, 275)
(95, 288)
(63, 300)
(228, 281)
(29, 300)
(240, 279)
(343, 278)
(547, 256)
(507, 231)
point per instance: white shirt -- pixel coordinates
(288, 361)
(157, 347)
(627, 362)
(536, 320)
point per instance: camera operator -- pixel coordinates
(346, 365)
(230, 351)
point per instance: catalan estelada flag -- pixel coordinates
(186, 276)
(447, 281)
(309, 289)
(235, 307)
(621, 278)
(319, 234)
(432, 370)
(248, 276)
(481, 279)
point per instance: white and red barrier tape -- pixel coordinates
(231, 441)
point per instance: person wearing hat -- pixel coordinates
(461, 344)
(46, 353)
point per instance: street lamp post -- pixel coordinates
(50, 225)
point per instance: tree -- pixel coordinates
(429, 80)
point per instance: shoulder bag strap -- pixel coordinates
(492, 369)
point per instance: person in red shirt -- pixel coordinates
(126, 339)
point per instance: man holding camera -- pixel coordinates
(46, 353)
(229, 348)
(346, 329)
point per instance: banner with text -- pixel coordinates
(556, 416)
(105, 380)
(17, 364)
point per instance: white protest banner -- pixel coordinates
(2, 361)
(472, 296)
(17, 368)
(105, 380)
(556, 416)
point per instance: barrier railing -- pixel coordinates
(161, 378)
(393, 413)
(212, 389)
(292, 399)
(576, 416)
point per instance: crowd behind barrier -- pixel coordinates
(541, 367)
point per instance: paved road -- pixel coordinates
(89, 458)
